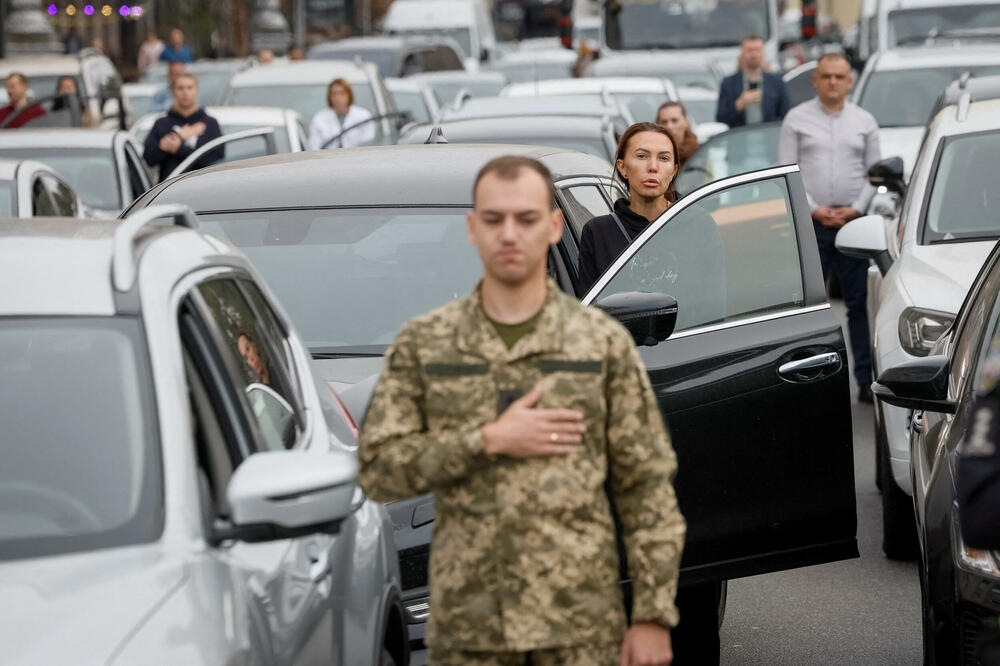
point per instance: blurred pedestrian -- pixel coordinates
(513, 406)
(66, 85)
(342, 124)
(149, 51)
(176, 50)
(672, 116)
(19, 110)
(751, 95)
(265, 57)
(72, 43)
(185, 128)
(163, 98)
(296, 53)
(835, 142)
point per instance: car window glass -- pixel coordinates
(41, 202)
(242, 149)
(63, 199)
(729, 154)
(135, 175)
(965, 349)
(257, 374)
(584, 202)
(965, 196)
(7, 200)
(727, 256)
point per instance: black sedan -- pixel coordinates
(960, 585)
(753, 380)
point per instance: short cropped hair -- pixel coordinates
(181, 76)
(509, 167)
(19, 76)
(833, 55)
(669, 105)
(751, 38)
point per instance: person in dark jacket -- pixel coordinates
(185, 128)
(751, 95)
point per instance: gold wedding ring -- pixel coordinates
(554, 437)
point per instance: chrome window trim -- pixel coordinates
(781, 314)
(676, 209)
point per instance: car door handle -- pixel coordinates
(319, 567)
(805, 369)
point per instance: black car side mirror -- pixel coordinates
(649, 317)
(888, 174)
(920, 384)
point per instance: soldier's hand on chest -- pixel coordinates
(524, 431)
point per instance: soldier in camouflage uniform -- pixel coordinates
(511, 406)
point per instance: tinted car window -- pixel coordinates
(734, 152)
(41, 200)
(725, 257)
(905, 97)
(965, 196)
(63, 200)
(307, 99)
(585, 202)
(92, 173)
(323, 265)
(248, 350)
(80, 450)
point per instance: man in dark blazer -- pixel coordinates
(751, 95)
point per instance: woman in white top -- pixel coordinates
(327, 129)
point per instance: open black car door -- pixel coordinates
(753, 383)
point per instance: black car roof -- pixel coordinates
(416, 175)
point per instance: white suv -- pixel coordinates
(925, 261)
(175, 485)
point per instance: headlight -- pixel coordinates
(972, 559)
(920, 328)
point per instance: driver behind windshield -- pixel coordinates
(20, 105)
(343, 124)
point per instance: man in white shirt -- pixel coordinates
(835, 142)
(342, 124)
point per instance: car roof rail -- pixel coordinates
(963, 107)
(436, 136)
(963, 81)
(123, 258)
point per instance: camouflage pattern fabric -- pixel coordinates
(582, 655)
(523, 555)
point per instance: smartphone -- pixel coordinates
(753, 85)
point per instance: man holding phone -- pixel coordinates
(751, 95)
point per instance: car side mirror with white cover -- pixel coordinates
(284, 494)
(865, 238)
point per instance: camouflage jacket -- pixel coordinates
(523, 555)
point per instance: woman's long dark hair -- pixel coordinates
(671, 193)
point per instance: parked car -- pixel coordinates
(352, 260)
(97, 79)
(141, 96)
(586, 134)
(175, 483)
(302, 86)
(925, 261)
(394, 56)
(414, 100)
(641, 96)
(536, 65)
(563, 105)
(32, 189)
(213, 76)
(958, 584)
(104, 167)
(447, 85)
(687, 70)
(978, 88)
(467, 22)
(700, 104)
(739, 150)
(899, 88)
(289, 131)
(914, 22)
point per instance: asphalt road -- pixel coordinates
(862, 611)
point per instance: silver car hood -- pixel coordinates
(81, 607)
(939, 276)
(353, 380)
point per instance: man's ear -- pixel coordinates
(470, 225)
(556, 220)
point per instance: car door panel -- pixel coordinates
(765, 460)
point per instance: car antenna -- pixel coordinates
(436, 136)
(963, 81)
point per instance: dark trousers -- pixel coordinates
(695, 640)
(853, 276)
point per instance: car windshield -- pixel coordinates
(643, 106)
(965, 197)
(386, 60)
(730, 153)
(350, 278)
(913, 26)
(901, 98)
(522, 72)
(141, 104)
(306, 99)
(80, 454)
(684, 24)
(460, 35)
(446, 91)
(701, 110)
(45, 85)
(412, 104)
(232, 149)
(90, 172)
(6, 200)
(211, 82)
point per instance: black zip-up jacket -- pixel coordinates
(601, 241)
(167, 162)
